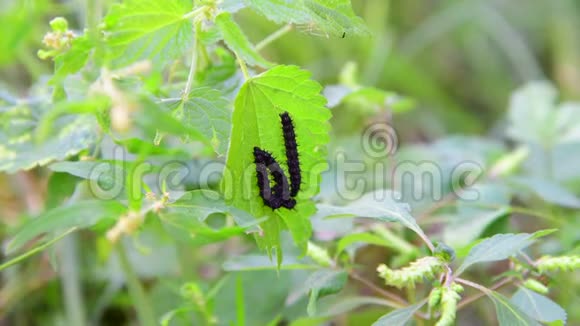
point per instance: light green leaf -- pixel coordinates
(256, 122)
(81, 214)
(399, 317)
(35, 250)
(473, 217)
(499, 247)
(365, 238)
(236, 40)
(532, 115)
(19, 151)
(379, 205)
(207, 111)
(351, 303)
(324, 282)
(327, 17)
(540, 307)
(258, 262)
(509, 314)
(201, 203)
(548, 191)
(148, 29)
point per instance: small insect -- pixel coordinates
(343, 34)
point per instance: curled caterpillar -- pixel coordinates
(279, 194)
(292, 159)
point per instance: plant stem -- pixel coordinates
(475, 297)
(136, 291)
(192, 68)
(274, 36)
(70, 280)
(401, 303)
(243, 66)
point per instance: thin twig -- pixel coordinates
(274, 36)
(378, 290)
(475, 297)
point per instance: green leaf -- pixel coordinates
(258, 262)
(548, 191)
(379, 205)
(328, 17)
(201, 203)
(154, 118)
(399, 317)
(540, 307)
(18, 150)
(236, 40)
(81, 214)
(509, 314)
(474, 217)
(499, 247)
(351, 303)
(207, 111)
(148, 29)
(531, 113)
(35, 250)
(366, 238)
(256, 122)
(324, 282)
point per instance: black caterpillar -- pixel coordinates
(281, 194)
(291, 153)
(278, 195)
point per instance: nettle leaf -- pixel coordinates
(536, 118)
(19, 150)
(236, 40)
(540, 307)
(184, 218)
(148, 29)
(328, 17)
(549, 191)
(256, 122)
(207, 111)
(324, 282)
(499, 247)
(509, 314)
(399, 317)
(82, 214)
(379, 205)
(473, 217)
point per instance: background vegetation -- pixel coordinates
(111, 94)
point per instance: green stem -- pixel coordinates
(70, 280)
(243, 66)
(35, 250)
(192, 67)
(136, 291)
(274, 36)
